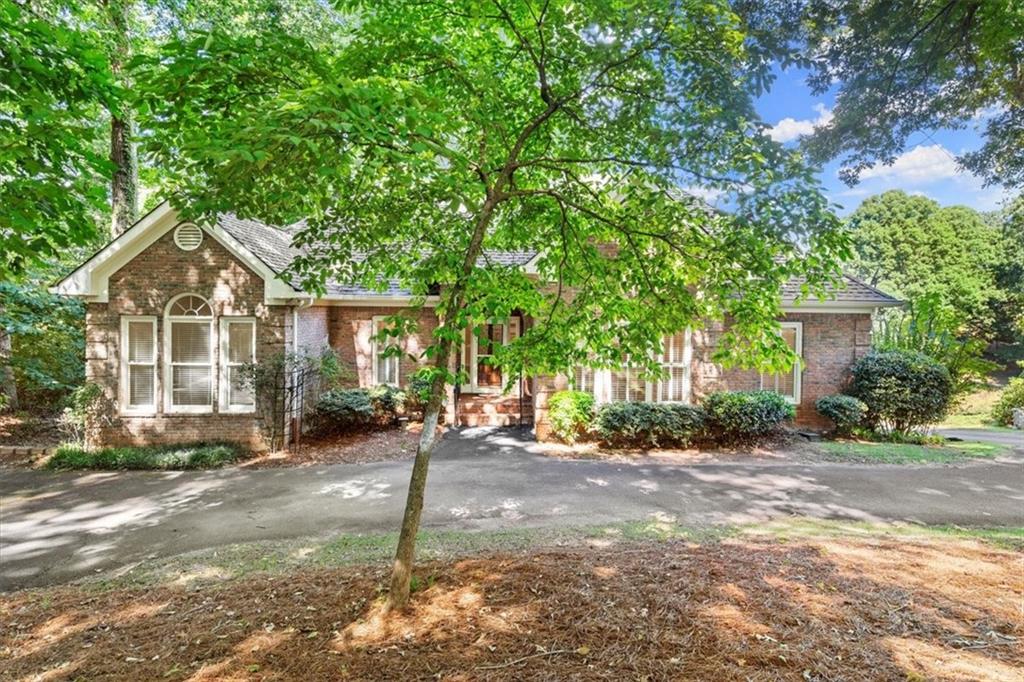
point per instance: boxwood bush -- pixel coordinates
(902, 390)
(570, 414)
(344, 408)
(741, 416)
(845, 411)
(642, 424)
(388, 403)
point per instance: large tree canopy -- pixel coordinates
(55, 82)
(912, 247)
(901, 67)
(439, 132)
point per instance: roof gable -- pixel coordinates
(90, 280)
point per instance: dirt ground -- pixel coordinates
(351, 448)
(27, 429)
(749, 608)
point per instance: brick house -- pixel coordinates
(174, 310)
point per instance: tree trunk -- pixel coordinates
(8, 386)
(401, 572)
(124, 185)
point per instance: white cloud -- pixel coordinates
(921, 165)
(705, 193)
(789, 129)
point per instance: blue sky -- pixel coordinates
(927, 165)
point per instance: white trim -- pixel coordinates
(368, 300)
(225, 365)
(169, 406)
(375, 349)
(836, 308)
(798, 368)
(124, 385)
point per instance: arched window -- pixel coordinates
(188, 354)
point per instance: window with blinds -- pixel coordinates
(189, 338)
(385, 367)
(787, 384)
(675, 362)
(138, 364)
(238, 349)
(627, 383)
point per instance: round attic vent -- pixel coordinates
(188, 237)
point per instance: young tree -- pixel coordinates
(439, 133)
(905, 66)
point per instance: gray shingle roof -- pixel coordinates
(273, 246)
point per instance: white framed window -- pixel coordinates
(237, 349)
(385, 367)
(675, 362)
(485, 377)
(627, 384)
(787, 384)
(138, 365)
(188, 355)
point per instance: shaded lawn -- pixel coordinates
(839, 606)
(908, 453)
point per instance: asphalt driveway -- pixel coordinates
(55, 527)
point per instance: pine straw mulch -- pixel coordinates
(831, 609)
(384, 445)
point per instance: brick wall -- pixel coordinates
(349, 332)
(313, 328)
(143, 287)
(831, 344)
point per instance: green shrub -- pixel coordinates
(388, 402)
(344, 408)
(845, 411)
(1011, 397)
(85, 407)
(740, 416)
(642, 424)
(189, 456)
(570, 413)
(903, 390)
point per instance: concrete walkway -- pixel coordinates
(55, 527)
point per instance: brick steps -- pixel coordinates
(489, 410)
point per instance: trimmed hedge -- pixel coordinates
(740, 416)
(845, 411)
(641, 424)
(902, 389)
(571, 414)
(160, 457)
